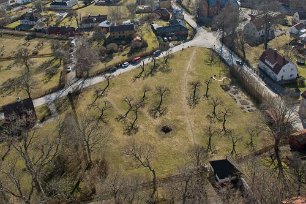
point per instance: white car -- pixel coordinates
(69, 69)
(125, 64)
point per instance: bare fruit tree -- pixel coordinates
(280, 121)
(225, 114)
(194, 98)
(100, 93)
(207, 83)
(143, 155)
(158, 109)
(215, 103)
(211, 130)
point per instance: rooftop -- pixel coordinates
(275, 59)
(119, 28)
(224, 168)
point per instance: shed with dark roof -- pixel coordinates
(224, 170)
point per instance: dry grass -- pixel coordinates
(171, 150)
(10, 70)
(12, 43)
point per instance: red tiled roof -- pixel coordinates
(274, 58)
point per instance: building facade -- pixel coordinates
(277, 67)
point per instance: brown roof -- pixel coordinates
(274, 58)
(259, 21)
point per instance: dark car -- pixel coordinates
(239, 62)
(156, 53)
(112, 70)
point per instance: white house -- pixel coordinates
(255, 30)
(297, 29)
(299, 17)
(63, 4)
(278, 67)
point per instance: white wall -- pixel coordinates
(288, 72)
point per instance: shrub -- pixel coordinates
(112, 47)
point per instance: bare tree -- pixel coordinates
(194, 98)
(100, 93)
(264, 185)
(226, 22)
(225, 114)
(132, 7)
(11, 183)
(115, 14)
(59, 52)
(254, 132)
(37, 155)
(141, 73)
(86, 57)
(215, 102)
(281, 119)
(91, 135)
(143, 155)
(102, 111)
(207, 82)
(298, 171)
(124, 189)
(38, 5)
(266, 9)
(210, 131)
(23, 58)
(130, 102)
(158, 109)
(190, 187)
(234, 140)
(132, 127)
(198, 155)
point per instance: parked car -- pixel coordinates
(73, 44)
(125, 64)
(69, 69)
(136, 60)
(156, 53)
(165, 39)
(239, 62)
(113, 69)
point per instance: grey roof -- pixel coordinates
(120, 28)
(224, 168)
(93, 19)
(55, 3)
(302, 15)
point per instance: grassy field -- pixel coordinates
(43, 46)
(103, 10)
(9, 70)
(188, 124)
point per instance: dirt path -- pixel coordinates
(185, 95)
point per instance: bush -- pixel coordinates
(102, 51)
(112, 47)
(138, 45)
